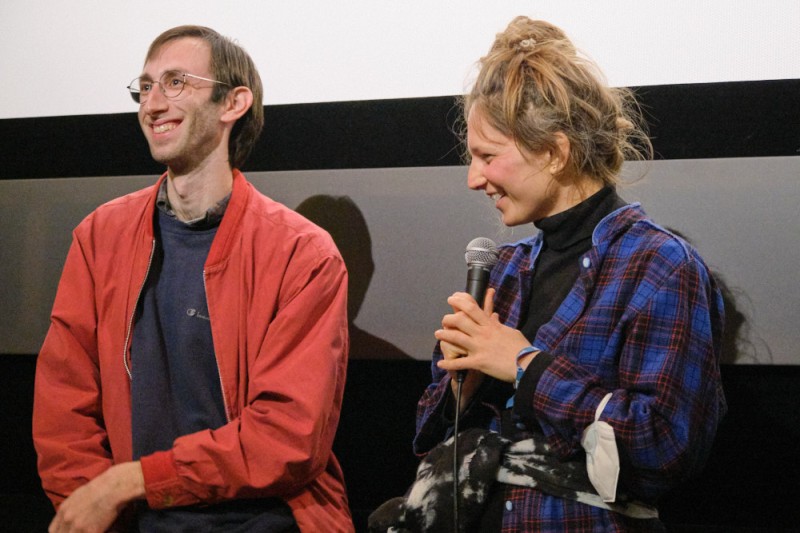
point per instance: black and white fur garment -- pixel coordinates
(486, 457)
(428, 504)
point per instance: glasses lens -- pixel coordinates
(135, 90)
(172, 83)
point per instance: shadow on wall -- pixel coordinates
(382, 388)
(342, 218)
(739, 343)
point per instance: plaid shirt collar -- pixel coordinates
(518, 258)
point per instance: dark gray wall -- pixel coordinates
(742, 214)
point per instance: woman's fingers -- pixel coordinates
(461, 330)
(488, 302)
(463, 302)
(452, 342)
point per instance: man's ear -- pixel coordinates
(560, 156)
(236, 103)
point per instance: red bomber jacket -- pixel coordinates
(277, 295)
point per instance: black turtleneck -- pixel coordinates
(567, 236)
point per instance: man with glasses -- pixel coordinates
(192, 376)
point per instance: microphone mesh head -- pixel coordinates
(481, 252)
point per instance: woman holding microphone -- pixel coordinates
(598, 340)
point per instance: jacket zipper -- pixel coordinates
(136, 304)
(216, 358)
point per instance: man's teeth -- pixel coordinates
(161, 128)
(496, 196)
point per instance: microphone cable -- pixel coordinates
(459, 382)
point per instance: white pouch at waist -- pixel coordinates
(602, 458)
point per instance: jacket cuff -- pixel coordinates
(161, 483)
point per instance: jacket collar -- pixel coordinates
(220, 248)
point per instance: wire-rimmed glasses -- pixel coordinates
(171, 84)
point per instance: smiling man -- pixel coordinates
(192, 375)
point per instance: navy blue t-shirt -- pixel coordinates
(175, 381)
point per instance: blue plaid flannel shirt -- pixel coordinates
(644, 322)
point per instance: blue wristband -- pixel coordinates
(520, 371)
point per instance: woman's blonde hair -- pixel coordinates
(533, 84)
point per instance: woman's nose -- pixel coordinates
(475, 178)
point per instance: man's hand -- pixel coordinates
(95, 506)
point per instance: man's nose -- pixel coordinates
(156, 100)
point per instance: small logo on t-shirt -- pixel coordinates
(195, 313)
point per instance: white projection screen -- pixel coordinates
(734, 195)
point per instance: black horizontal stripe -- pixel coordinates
(714, 120)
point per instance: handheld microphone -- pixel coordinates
(481, 256)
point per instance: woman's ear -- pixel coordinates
(560, 155)
(237, 102)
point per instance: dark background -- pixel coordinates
(750, 483)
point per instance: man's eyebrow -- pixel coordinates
(146, 76)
